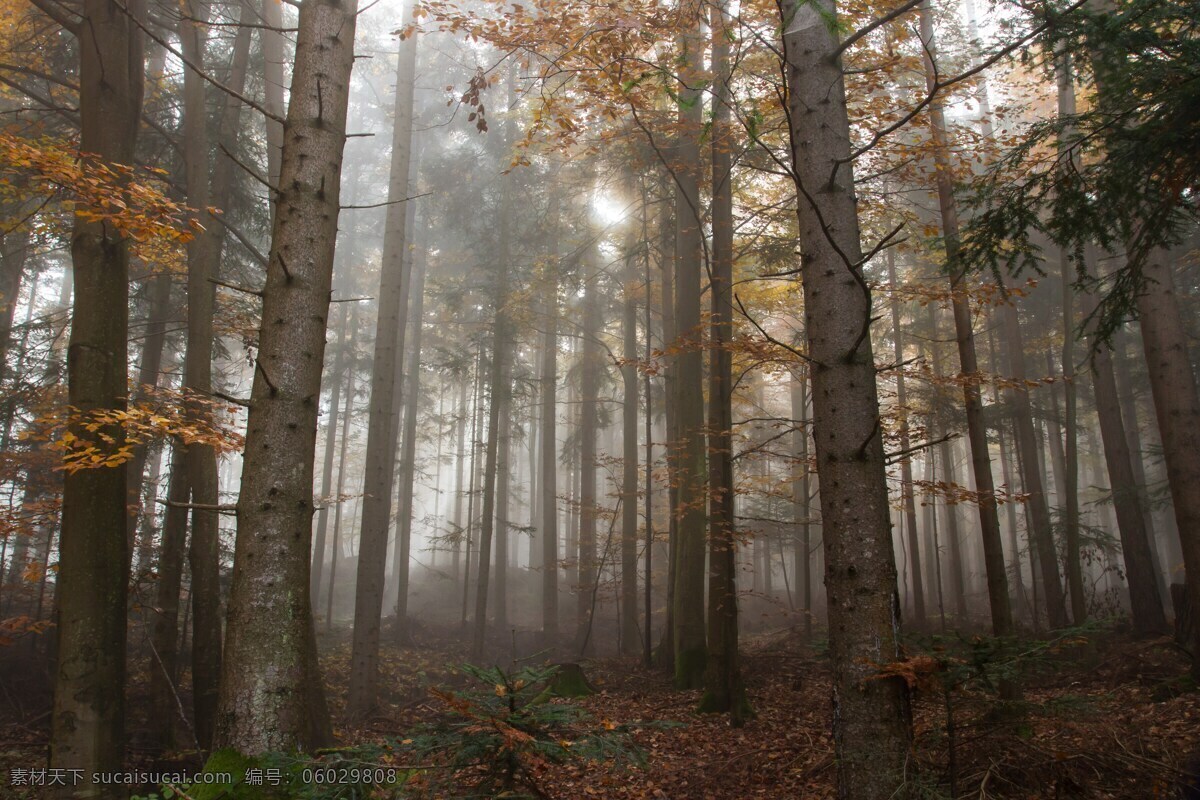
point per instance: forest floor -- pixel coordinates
(1110, 718)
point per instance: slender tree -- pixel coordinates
(724, 691)
(383, 424)
(690, 476)
(629, 453)
(906, 484)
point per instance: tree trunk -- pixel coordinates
(503, 493)
(347, 412)
(164, 634)
(724, 691)
(665, 655)
(648, 581)
(801, 498)
(1145, 603)
(271, 689)
(202, 258)
(500, 385)
(412, 399)
(476, 413)
(549, 445)
(1070, 472)
(14, 250)
(989, 520)
(148, 373)
(1031, 477)
(589, 409)
(88, 718)
(382, 426)
(331, 426)
(906, 485)
(872, 722)
(1177, 407)
(630, 641)
(689, 446)
(459, 462)
(1133, 437)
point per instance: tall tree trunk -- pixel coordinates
(1070, 472)
(589, 409)
(382, 426)
(989, 520)
(473, 490)
(88, 718)
(331, 426)
(648, 580)
(1145, 603)
(271, 694)
(665, 655)
(202, 257)
(14, 250)
(148, 372)
(801, 497)
(906, 484)
(347, 411)
(149, 518)
(872, 721)
(459, 461)
(500, 386)
(1031, 476)
(1177, 407)
(412, 399)
(689, 446)
(549, 459)
(956, 567)
(164, 634)
(629, 440)
(1133, 437)
(724, 691)
(503, 493)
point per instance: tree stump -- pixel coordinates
(568, 681)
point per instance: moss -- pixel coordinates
(568, 681)
(689, 668)
(235, 764)
(738, 707)
(712, 703)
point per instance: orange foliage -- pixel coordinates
(130, 200)
(107, 437)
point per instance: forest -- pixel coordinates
(708, 399)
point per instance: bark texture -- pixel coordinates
(872, 723)
(88, 718)
(270, 696)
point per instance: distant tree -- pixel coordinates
(383, 429)
(1120, 175)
